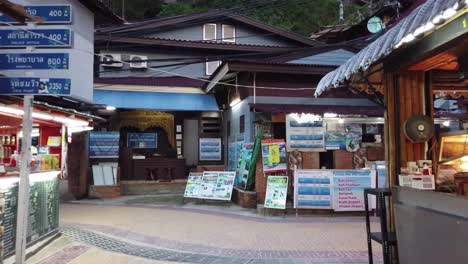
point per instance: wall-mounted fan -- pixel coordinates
(418, 128)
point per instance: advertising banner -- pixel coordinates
(312, 189)
(34, 61)
(348, 188)
(14, 38)
(305, 136)
(244, 164)
(39, 86)
(217, 185)
(50, 14)
(142, 140)
(276, 192)
(335, 140)
(274, 155)
(381, 171)
(210, 149)
(194, 182)
(104, 144)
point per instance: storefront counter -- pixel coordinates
(43, 210)
(158, 169)
(431, 227)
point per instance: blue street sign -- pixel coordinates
(34, 61)
(51, 14)
(10, 38)
(39, 86)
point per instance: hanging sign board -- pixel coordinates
(13, 38)
(39, 86)
(34, 61)
(217, 185)
(274, 155)
(348, 188)
(50, 14)
(304, 136)
(312, 189)
(194, 182)
(210, 149)
(142, 140)
(104, 144)
(276, 192)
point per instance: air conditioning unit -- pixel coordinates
(111, 60)
(138, 61)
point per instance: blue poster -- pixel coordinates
(142, 140)
(381, 174)
(335, 140)
(36, 38)
(39, 86)
(104, 144)
(34, 61)
(50, 14)
(304, 136)
(348, 188)
(312, 189)
(210, 149)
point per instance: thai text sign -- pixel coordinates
(35, 38)
(312, 189)
(34, 61)
(276, 192)
(50, 14)
(142, 140)
(41, 86)
(104, 144)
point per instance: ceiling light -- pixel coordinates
(446, 123)
(330, 115)
(234, 102)
(341, 120)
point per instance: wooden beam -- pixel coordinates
(17, 12)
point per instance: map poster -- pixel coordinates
(217, 185)
(244, 164)
(348, 190)
(276, 192)
(305, 136)
(194, 181)
(312, 189)
(210, 149)
(274, 155)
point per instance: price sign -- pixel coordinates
(50, 14)
(11, 38)
(34, 61)
(40, 86)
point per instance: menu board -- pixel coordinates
(142, 140)
(276, 192)
(194, 181)
(312, 189)
(104, 144)
(274, 155)
(304, 136)
(217, 185)
(210, 149)
(43, 212)
(348, 188)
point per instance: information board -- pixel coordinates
(39, 86)
(104, 144)
(217, 185)
(274, 155)
(304, 136)
(194, 182)
(14, 38)
(34, 61)
(50, 14)
(348, 188)
(313, 189)
(276, 192)
(210, 149)
(142, 140)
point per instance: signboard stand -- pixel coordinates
(23, 193)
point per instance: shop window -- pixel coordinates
(242, 124)
(209, 32)
(228, 33)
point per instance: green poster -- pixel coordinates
(276, 192)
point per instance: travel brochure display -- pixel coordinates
(210, 149)
(348, 188)
(142, 140)
(194, 181)
(305, 136)
(15, 38)
(50, 14)
(335, 140)
(34, 61)
(213, 185)
(40, 86)
(104, 144)
(312, 189)
(274, 155)
(244, 164)
(353, 137)
(276, 192)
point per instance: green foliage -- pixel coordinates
(179, 9)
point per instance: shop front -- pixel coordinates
(419, 66)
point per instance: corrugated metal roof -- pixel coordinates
(420, 21)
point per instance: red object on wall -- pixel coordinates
(45, 133)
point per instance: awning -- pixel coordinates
(423, 20)
(156, 101)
